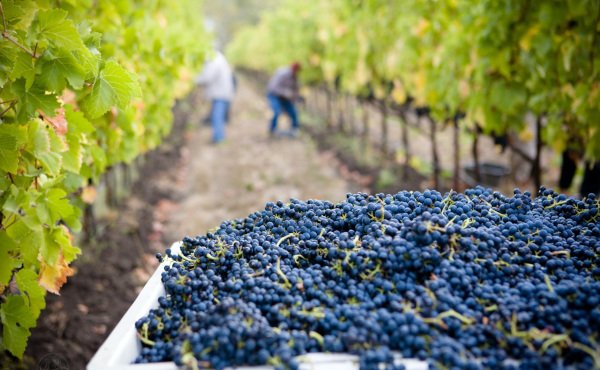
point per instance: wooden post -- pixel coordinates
(341, 120)
(434, 152)
(456, 143)
(108, 178)
(404, 137)
(350, 105)
(89, 224)
(475, 153)
(329, 110)
(384, 129)
(536, 169)
(365, 119)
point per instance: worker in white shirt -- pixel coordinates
(217, 79)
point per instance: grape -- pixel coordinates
(467, 281)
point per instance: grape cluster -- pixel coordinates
(475, 280)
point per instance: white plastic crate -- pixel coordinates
(122, 346)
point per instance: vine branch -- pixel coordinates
(9, 37)
(12, 104)
(593, 48)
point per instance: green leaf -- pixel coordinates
(27, 281)
(58, 30)
(32, 99)
(73, 157)
(7, 61)
(39, 141)
(28, 239)
(12, 136)
(73, 181)
(7, 262)
(507, 97)
(50, 247)
(24, 68)
(41, 145)
(15, 339)
(77, 121)
(51, 162)
(100, 159)
(57, 71)
(17, 319)
(9, 156)
(70, 252)
(17, 198)
(115, 86)
(58, 204)
(43, 214)
(57, 143)
(16, 310)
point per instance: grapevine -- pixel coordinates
(82, 87)
(494, 62)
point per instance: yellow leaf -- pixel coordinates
(379, 91)
(88, 194)
(421, 27)
(420, 82)
(463, 89)
(398, 94)
(568, 90)
(526, 135)
(525, 42)
(52, 277)
(314, 59)
(362, 75)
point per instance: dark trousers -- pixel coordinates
(277, 105)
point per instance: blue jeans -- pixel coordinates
(277, 104)
(218, 116)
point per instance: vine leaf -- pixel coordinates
(29, 241)
(32, 99)
(77, 122)
(17, 319)
(55, 205)
(7, 262)
(58, 70)
(58, 122)
(45, 146)
(50, 248)
(57, 29)
(27, 281)
(115, 86)
(73, 157)
(24, 68)
(9, 156)
(52, 277)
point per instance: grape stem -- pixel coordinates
(144, 336)
(318, 337)
(286, 282)
(284, 238)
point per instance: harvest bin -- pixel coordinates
(491, 173)
(122, 346)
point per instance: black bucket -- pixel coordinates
(491, 174)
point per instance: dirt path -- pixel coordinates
(188, 187)
(239, 176)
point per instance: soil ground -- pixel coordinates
(188, 187)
